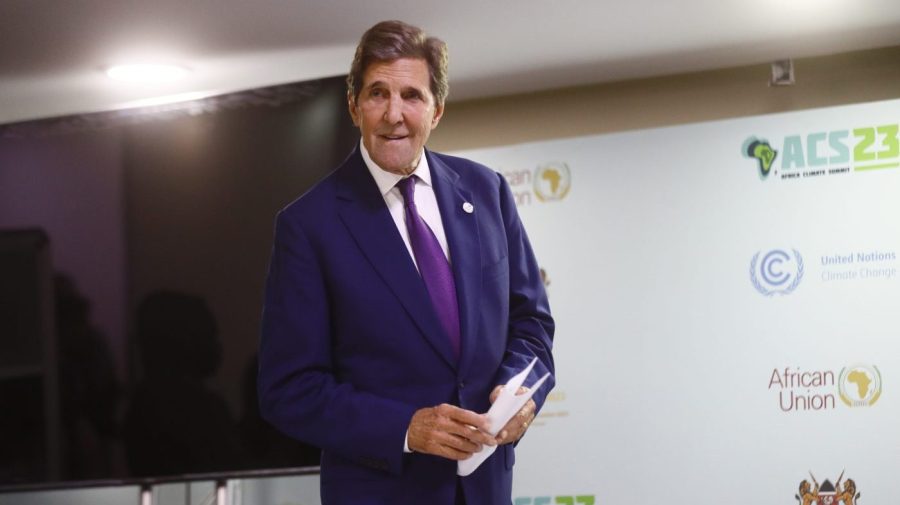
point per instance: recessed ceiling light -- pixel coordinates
(146, 72)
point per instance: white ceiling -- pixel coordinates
(52, 52)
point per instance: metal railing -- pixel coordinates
(146, 485)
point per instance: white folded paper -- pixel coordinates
(507, 404)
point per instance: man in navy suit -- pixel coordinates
(402, 294)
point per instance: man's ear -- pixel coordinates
(438, 113)
(351, 106)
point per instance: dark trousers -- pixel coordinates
(460, 497)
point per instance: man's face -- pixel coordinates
(395, 112)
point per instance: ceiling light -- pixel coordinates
(146, 72)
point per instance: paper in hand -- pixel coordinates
(507, 404)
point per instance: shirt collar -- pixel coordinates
(387, 180)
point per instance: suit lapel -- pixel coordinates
(461, 229)
(365, 215)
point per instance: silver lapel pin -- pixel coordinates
(468, 207)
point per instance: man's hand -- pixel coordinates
(448, 431)
(519, 423)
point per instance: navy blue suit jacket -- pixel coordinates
(351, 346)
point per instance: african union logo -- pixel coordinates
(552, 181)
(859, 385)
(827, 493)
(777, 272)
(762, 152)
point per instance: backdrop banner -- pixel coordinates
(728, 310)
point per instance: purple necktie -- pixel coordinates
(433, 265)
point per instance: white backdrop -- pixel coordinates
(698, 297)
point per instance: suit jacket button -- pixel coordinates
(462, 385)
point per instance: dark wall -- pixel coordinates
(71, 186)
(179, 200)
(202, 196)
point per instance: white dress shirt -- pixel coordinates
(426, 203)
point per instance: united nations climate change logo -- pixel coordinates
(859, 385)
(827, 493)
(777, 273)
(762, 152)
(552, 181)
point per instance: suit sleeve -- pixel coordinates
(531, 326)
(298, 391)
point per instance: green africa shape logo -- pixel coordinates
(760, 150)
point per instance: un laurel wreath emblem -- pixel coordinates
(770, 279)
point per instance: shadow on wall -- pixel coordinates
(174, 423)
(89, 391)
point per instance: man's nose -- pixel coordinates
(394, 112)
